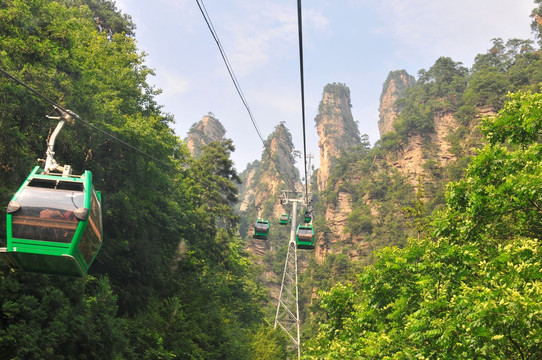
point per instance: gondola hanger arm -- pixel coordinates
(50, 162)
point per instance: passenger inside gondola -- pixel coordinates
(46, 214)
(56, 214)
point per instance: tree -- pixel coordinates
(172, 278)
(472, 287)
(437, 90)
(536, 24)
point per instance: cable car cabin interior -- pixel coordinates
(261, 229)
(54, 224)
(284, 218)
(305, 237)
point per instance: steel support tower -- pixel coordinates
(287, 316)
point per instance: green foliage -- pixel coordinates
(268, 344)
(106, 16)
(370, 183)
(417, 213)
(60, 317)
(438, 90)
(472, 287)
(509, 66)
(172, 279)
(402, 81)
(517, 130)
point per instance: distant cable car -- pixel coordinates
(304, 237)
(54, 221)
(261, 229)
(307, 217)
(284, 219)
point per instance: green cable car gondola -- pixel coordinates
(284, 219)
(304, 237)
(261, 229)
(54, 220)
(54, 224)
(307, 217)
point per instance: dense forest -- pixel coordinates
(450, 269)
(454, 268)
(172, 279)
(470, 287)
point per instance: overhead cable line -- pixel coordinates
(300, 31)
(94, 127)
(209, 23)
(228, 65)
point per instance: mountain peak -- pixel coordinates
(336, 128)
(203, 132)
(275, 172)
(394, 88)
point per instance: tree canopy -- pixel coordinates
(472, 287)
(172, 279)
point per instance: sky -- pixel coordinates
(355, 42)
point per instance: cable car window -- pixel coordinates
(47, 214)
(43, 183)
(262, 226)
(69, 185)
(92, 238)
(304, 232)
(96, 214)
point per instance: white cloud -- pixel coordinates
(279, 102)
(456, 29)
(263, 33)
(260, 39)
(172, 83)
(317, 19)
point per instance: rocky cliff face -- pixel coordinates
(263, 182)
(394, 88)
(335, 239)
(338, 132)
(413, 158)
(336, 128)
(367, 198)
(203, 132)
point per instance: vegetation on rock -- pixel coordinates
(472, 286)
(447, 266)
